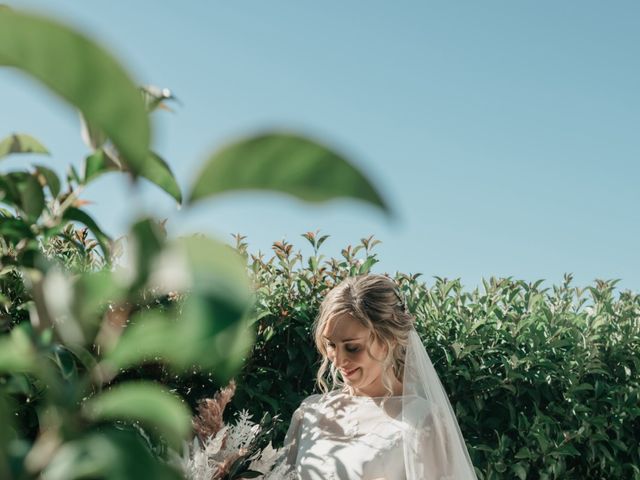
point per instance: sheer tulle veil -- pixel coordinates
(420, 383)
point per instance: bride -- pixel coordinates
(387, 415)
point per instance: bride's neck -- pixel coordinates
(377, 390)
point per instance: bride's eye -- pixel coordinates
(351, 349)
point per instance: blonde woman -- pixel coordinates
(386, 415)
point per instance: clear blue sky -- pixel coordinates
(504, 134)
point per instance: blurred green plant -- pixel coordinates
(73, 321)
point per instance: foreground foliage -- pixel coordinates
(75, 326)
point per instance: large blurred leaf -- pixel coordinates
(146, 402)
(92, 294)
(216, 269)
(54, 293)
(22, 190)
(107, 455)
(225, 340)
(287, 163)
(20, 143)
(210, 329)
(206, 266)
(82, 73)
(15, 229)
(184, 342)
(147, 239)
(156, 170)
(150, 335)
(17, 353)
(91, 135)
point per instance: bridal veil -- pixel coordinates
(427, 413)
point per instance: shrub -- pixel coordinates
(544, 381)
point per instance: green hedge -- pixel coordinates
(544, 381)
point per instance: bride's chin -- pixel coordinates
(351, 379)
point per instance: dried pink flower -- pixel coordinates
(208, 421)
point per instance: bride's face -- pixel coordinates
(346, 341)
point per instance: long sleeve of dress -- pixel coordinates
(286, 464)
(292, 438)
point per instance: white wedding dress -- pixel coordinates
(337, 436)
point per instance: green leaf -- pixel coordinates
(150, 335)
(65, 362)
(525, 453)
(287, 163)
(219, 339)
(520, 470)
(31, 195)
(72, 175)
(92, 292)
(76, 215)
(15, 229)
(147, 241)
(204, 266)
(92, 136)
(212, 327)
(249, 474)
(48, 177)
(108, 455)
(147, 402)
(22, 190)
(91, 80)
(96, 164)
(20, 143)
(157, 171)
(182, 343)
(17, 353)
(216, 269)
(367, 264)
(581, 387)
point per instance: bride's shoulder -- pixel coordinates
(310, 400)
(318, 399)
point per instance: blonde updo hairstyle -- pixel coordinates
(376, 303)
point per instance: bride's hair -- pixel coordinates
(373, 300)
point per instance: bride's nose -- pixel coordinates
(338, 357)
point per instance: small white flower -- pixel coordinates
(242, 433)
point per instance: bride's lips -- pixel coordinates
(348, 373)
